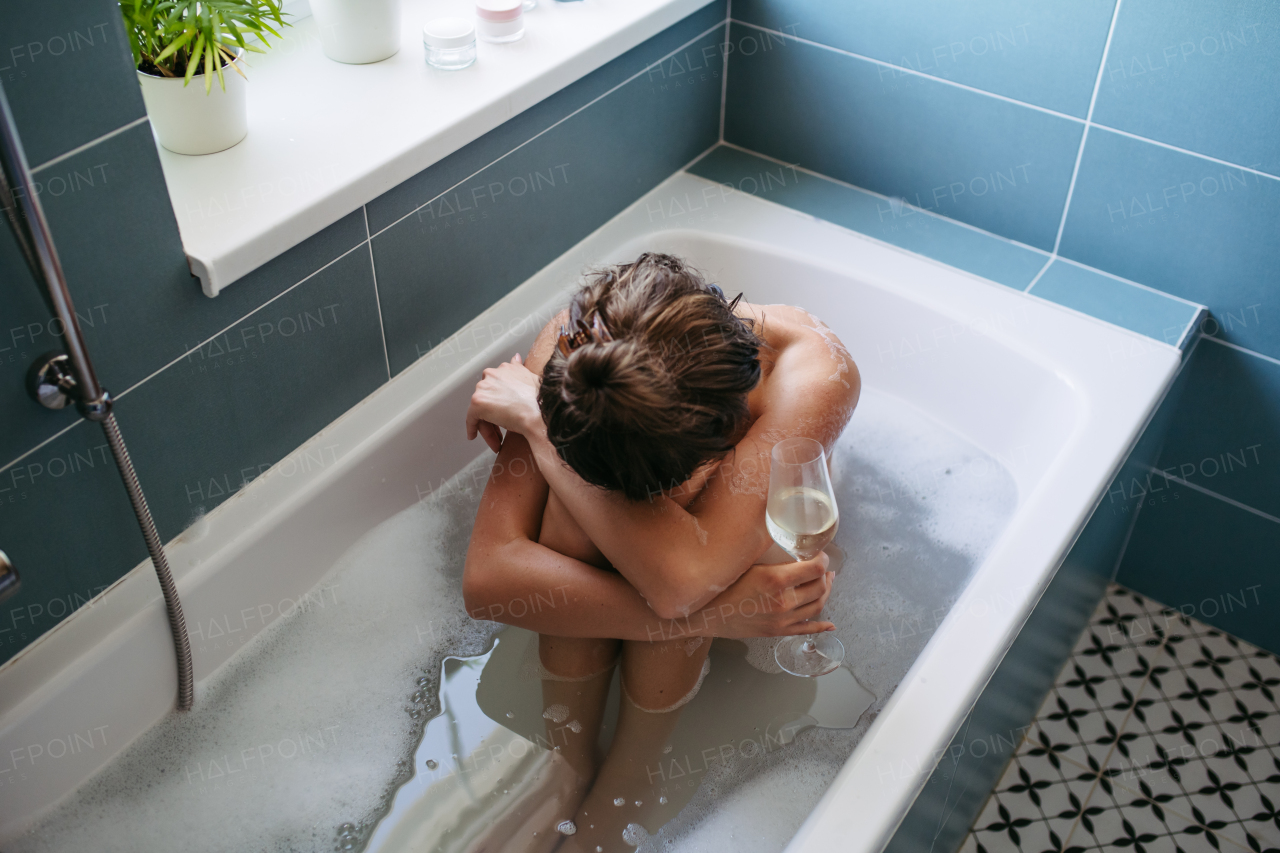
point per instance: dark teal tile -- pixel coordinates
(1184, 225)
(66, 524)
(219, 417)
(1202, 76)
(1227, 429)
(1147, 312)
(1046, 54)
(430, 182)
(931, 236)
(26, 332)
(454, 258)
(990, 163)
(125, 265)
(1204, 556)
(67, 72)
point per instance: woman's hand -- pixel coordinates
(506, 398)
(767, 601)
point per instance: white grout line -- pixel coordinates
(57, 434)
(230, 326)
(1088, 119)
(888, 198)
(1129, 281)
(377, 299)
(367, 241)
(1213, 494)
(81, 148)
(1047, 263)
(724, 73)
(552, 127)
(1076, 119)
(911, 71)
(1239, 348)
(1186, 151)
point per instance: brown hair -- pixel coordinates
(656, 383)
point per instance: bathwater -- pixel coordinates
(377, 696)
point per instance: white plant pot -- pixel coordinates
(187, 121)
(358, 31)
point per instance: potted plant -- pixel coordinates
(178, 42)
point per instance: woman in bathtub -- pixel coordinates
(632, 480)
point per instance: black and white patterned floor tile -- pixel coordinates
(1161, 734)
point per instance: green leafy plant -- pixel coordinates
(182, 38)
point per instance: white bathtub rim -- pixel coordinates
(243, 508)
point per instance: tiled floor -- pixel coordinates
(1161, 734)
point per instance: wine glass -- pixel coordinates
(802, 518)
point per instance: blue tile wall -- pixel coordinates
(1046, 54)
(1201, 76)
(974, 158)
(1152, 186)
(212, 392)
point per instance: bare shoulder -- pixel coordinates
(812, 385)
(540, 352)
(819, 354)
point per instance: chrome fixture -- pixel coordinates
(59, 378)
(9, 580)
(51, 380)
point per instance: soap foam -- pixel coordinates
(302, 731)
(345, 675)
(913, 535)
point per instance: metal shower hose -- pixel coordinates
(31, 230)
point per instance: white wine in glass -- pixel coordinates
(802, 518)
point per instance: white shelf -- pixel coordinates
(325, 138)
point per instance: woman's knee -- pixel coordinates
(576, 657)
(658, 676)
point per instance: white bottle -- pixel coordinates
(358, 32)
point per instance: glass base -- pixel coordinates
(810, 656)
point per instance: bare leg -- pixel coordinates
(575, 686)
(656, 676)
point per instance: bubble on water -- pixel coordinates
(666, 749)
(619, 801)
(599, 849)
(432, 764)
(510, 716)
(575, 726)
(556, 713)
(279, 689)
(566, 827)
(662, 800)
(347, 828)
(639, 803)
(634, 835)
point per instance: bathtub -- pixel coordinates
(1058, 397)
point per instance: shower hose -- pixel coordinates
(177, 622)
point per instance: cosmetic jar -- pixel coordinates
(500, 21)
(450, 43)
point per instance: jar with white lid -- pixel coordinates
(500, 21)
(450, 43)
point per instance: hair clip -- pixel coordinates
(593, 333)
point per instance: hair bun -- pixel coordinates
(595, 376)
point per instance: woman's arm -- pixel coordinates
(510, 578)
(680, 559)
